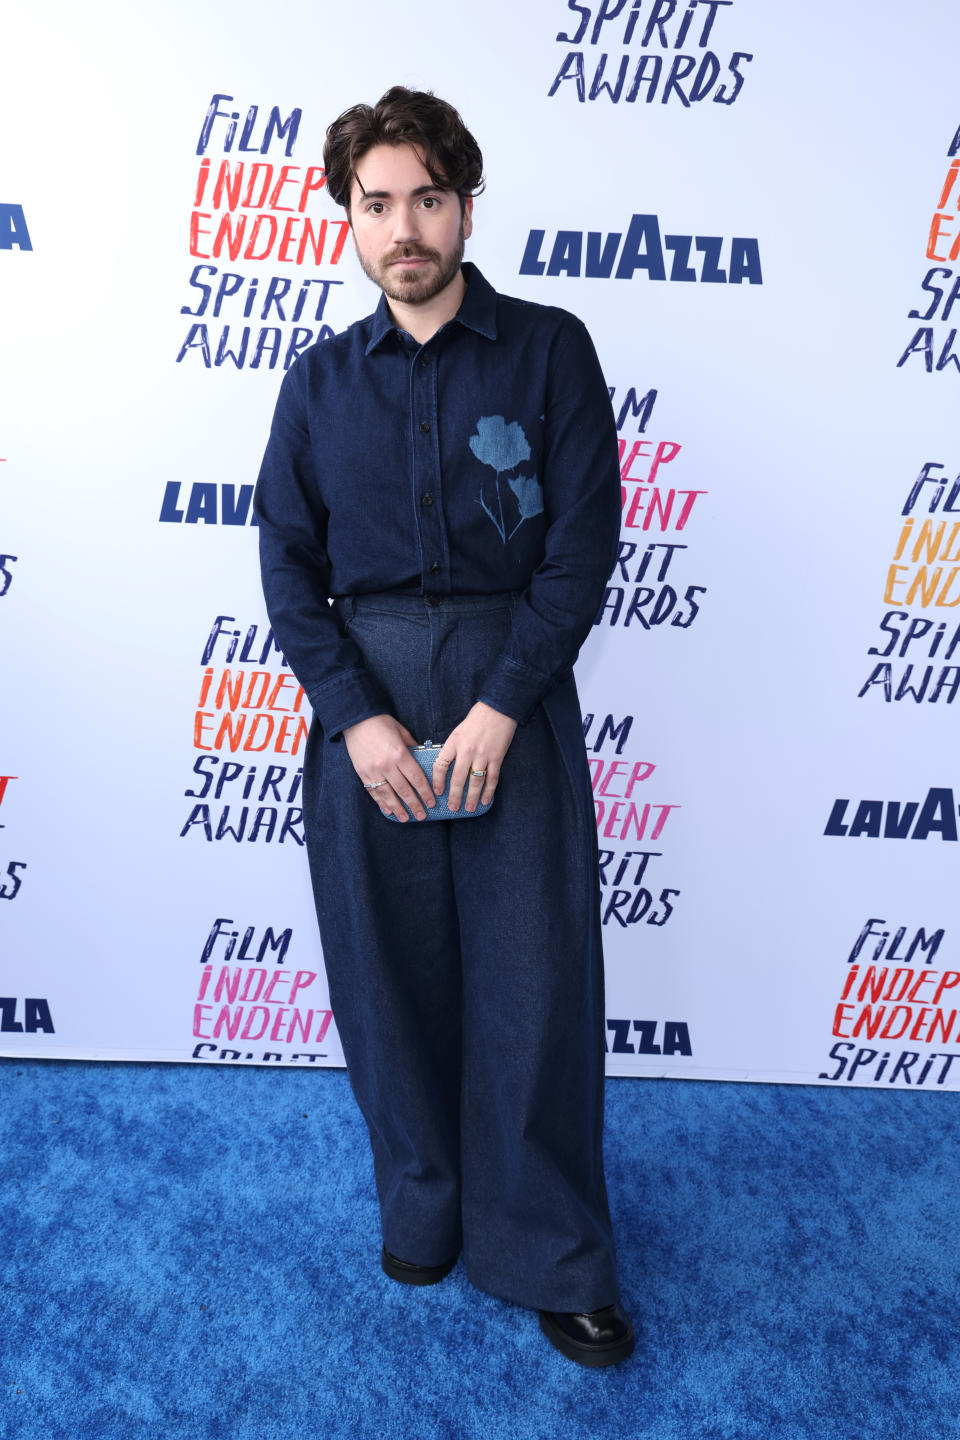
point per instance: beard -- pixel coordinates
(425, 282)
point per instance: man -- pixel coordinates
(445, 471)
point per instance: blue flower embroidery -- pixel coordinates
(504, 447)
(529, 494)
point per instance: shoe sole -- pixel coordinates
(408, 1274)
(593, 1356)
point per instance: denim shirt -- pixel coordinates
(481, 462)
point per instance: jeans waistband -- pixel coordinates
(398, 603)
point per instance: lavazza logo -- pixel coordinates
(709, 259)
(933, 817)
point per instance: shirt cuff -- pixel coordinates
(515, 690)
(346, 699)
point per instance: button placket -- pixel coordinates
(427, 476)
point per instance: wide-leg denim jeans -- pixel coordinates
(466, 973)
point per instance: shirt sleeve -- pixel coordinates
(295, 571)
(581, 485)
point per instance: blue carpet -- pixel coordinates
(190, 1253)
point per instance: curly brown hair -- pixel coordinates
(434, 128)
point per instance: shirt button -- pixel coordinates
(424, 426)
(435, 568)
(426, 500)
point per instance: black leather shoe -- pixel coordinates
(409, 1274)
(601, 1337)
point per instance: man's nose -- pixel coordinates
(406, 225)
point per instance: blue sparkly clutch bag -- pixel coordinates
(425, 755)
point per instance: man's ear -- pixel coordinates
(468, 217)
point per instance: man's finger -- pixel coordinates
(385, 798)
(458, 781)
(409, 797)
(490, 784)
(441, 767)
(475, 781)
(416, 776)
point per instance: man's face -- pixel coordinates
(409, 235)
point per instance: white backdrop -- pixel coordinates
(772, 778)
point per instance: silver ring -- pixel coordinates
(478, 774)
(376, 785)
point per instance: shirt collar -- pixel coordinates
(478, 310)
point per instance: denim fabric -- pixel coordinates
(482, 462)
(466, 974)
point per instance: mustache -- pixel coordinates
(410, 252)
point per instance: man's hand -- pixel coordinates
(378, 750)
(475, 750)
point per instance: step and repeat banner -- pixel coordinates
(756, 211)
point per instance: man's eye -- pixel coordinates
(375, 208)
(429, 202)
